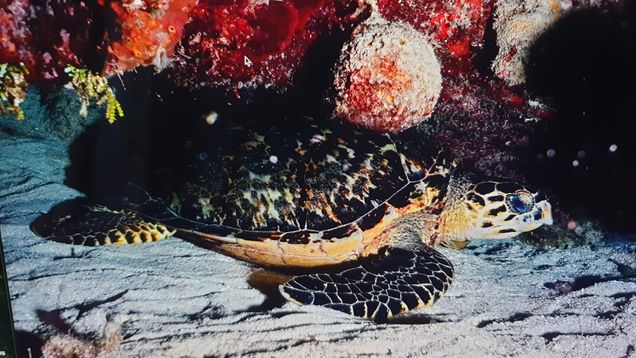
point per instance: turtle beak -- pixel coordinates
(545, 210)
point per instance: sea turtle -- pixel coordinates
(362, 210)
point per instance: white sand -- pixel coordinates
(175, 299)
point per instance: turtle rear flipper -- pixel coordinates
(79, 223)
(394, 281)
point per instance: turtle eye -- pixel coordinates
(520, 202)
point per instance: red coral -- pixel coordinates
(228, 42)
(78, 33)
(457, 26)
(241, 42)
(149, 29)
(15, 35)
(64, 35)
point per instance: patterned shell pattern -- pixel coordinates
(304, 178)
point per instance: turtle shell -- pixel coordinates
(301, 183)
(291, 178)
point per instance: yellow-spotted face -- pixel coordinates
(501, 210)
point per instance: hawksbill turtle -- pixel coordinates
(363, 211)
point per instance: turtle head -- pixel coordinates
(492, 210)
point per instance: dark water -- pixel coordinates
(586, 66)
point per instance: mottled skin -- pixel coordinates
(316, 197)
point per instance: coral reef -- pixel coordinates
(234, 43)
(68, 33)
(388, 78)
(150, 30)
(242, 43)
(456, 28)
(12, 89)
(105, 36)
(15, 35)
(239, 44)
(90, 87)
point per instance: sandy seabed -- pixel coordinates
(173, 299)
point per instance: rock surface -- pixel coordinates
(172, 298)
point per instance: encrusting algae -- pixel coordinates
(12, 89)
(90, 86)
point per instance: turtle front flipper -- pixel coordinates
(79, 223)
(394, 281)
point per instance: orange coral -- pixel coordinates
(149, 32)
